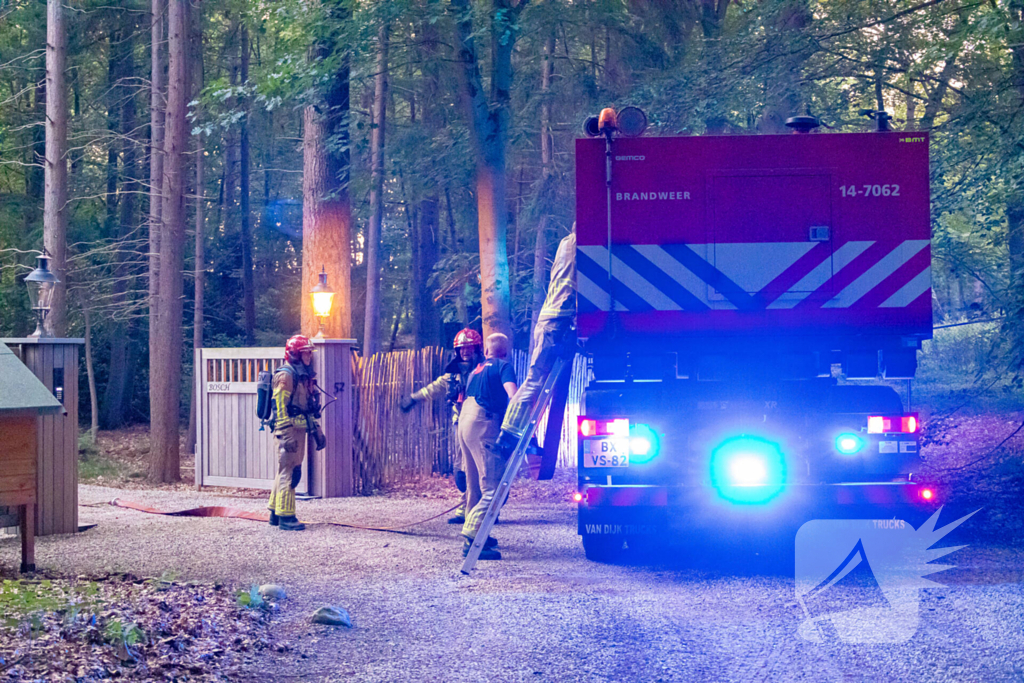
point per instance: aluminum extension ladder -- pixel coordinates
(515, 461)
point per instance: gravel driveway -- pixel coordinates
(543, 613)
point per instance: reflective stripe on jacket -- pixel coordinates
(560, 301)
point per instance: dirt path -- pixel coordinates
(542, 614)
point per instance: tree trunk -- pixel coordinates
(113, 407)
(34, 174)
(1015, 204)
(55, 197)
(165, 399)
(326, 208)
(113, 114)
(248, 293)
(156, 165)
(911, 108)
(94, 411)
(784, 95)
(198, 308)
(540, 249)
(226, 213)
(426, 320)
(489, 124)
(399, 312)
(461, 309)
(200, 284)
(371, 326)
(111, 230)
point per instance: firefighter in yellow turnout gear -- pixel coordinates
(452, 386)
(554, 335)
(293, 404)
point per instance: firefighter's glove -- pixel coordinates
(507, 442)
(407, 403)
(460, 481)
(300, 422)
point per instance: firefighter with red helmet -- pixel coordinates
(295, 406)
(452, 385)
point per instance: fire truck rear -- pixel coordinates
(740, 288)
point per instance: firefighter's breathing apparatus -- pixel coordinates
(266, 408)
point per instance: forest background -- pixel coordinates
(422, 152)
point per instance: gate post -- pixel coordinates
(332, 469)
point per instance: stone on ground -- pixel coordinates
(271, 591)
(332, 616)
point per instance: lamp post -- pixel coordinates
(323, 298)
(40, 283)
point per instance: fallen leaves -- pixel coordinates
(130, 628)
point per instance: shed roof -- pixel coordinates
(22, 390)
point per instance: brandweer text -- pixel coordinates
(648, 196)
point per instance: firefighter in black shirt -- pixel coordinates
(491, 385)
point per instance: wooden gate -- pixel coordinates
(230, 448)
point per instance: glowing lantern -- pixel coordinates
(323, 298)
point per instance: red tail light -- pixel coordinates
(615, 427)
(904, 424)
(927, 495)
(577, 497)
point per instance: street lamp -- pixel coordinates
(40, 283)
(323, 297)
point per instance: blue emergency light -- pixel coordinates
(748, 469)
(644, 444)
(849, 443)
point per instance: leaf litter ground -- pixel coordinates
(119, 626)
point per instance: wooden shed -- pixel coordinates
(24, 400)
(54, 362)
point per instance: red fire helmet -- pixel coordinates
(295, 346)
(468, 337)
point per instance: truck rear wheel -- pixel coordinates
(599, 548)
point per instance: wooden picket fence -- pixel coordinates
(391, 446)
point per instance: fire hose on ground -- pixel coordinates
(237, 513)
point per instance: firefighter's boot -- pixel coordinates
(290, 524)
(489, 552)
(459, 517)
(272, 506)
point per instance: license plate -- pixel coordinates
(610, 452)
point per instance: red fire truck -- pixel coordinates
(736, 280)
